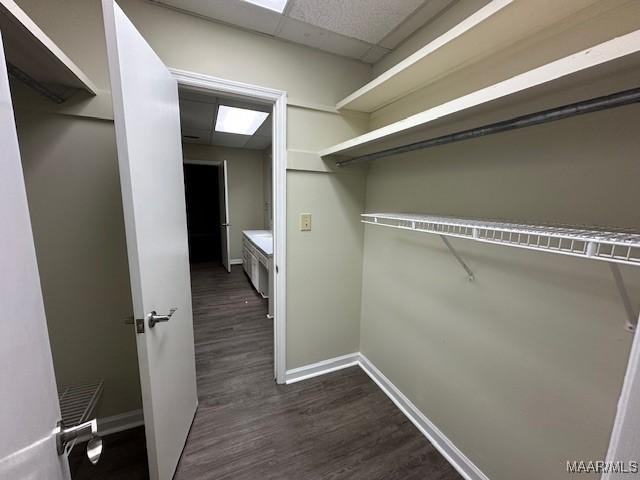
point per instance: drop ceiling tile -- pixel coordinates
(427, 12)
(239, 103)
(194, 135)
(374, 54)
(235, 12)
(196, 96)
(265, 129)
(229, 139)
(197, 115)
(258, 143)
(367, 20)
(320, 38)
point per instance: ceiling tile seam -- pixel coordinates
(262, 34)
(349, 22)
(330, 32)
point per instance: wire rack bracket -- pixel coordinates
(615, 246)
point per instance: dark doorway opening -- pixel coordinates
(202, 197)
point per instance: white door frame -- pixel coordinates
(279, 100)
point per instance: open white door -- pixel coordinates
(30, 411)
(147, 122)
(225, 222)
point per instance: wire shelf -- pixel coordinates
(619, 246)
(78, 402)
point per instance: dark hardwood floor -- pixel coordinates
(337, 426)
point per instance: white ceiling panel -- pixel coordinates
(316, 37)
(349, 28)
(258, 143)
(196, 96)
(194, 135)
(367, 20)
(235, 12)
(233, 102)
(265, 128)
(229, 139)
(197, 115)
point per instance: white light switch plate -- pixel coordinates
(305, 222)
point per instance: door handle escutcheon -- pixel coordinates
(155, 318)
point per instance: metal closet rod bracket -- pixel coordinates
(632, 316)
(454, 252)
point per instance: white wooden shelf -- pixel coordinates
(608, 58)
(33, 53)
(618, 246)
(497, 25)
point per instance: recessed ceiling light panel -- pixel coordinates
(239, 120)
(275, 5)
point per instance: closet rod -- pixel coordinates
(597, 104)
(29, 81)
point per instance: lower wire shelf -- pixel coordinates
(619, 246)
(78, 402)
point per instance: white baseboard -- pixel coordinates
(320, 368)
(455, 457)
(439, 440)
(121, 422)
(236, 261)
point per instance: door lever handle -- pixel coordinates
(155, 318)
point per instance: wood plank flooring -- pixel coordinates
(337, 426)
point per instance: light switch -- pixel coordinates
(305, 222)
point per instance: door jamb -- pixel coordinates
(279, 180)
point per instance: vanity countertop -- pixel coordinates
(262, 239)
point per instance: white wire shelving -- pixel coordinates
(615, 246)
(620, 246)
(78, 402)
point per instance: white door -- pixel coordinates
(147, 122)
(29, 412)
(225, 222)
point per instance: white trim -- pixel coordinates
(454, 456)
(214, 163)
(121, 422)
(279, 100)
(439, 440)
(625, 439)
(236, 261)
(320, 368)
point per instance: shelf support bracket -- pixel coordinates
(455, 253)
(632, 319)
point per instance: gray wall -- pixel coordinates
(522, 368)
(245, 182)
(76, 212)
(326, 264)
(186, 42)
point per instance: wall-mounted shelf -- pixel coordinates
(496, 26)
(34, 58)
(606, 59)
(613, 246)
(617, 246)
